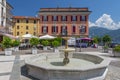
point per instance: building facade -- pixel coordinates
(9, 16)
(25, 25)
(64, 21)
(2, 13)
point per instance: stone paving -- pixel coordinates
(12, 67)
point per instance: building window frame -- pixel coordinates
(54, 29)
(45, 18)
(27, 32)
(73, 29)
(18, 27)
(83, 18)
(64, 30)
(82, 29)
(35, 21)
(27, 27)
(27, 21)
(18, 33)
(63, 18)
(18, 21)
(54, 18)
(74, 18)
(44, 29)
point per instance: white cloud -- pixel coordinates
(106, 21)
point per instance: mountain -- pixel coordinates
(99, 31)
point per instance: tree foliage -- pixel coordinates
(34, 41)
(106, 39)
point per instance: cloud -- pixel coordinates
(106, 21)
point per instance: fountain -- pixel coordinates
(61, 66)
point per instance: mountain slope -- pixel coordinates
(98, 31)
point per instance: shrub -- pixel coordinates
(16, 43)
(59, 39)
(117, 48)
(55, 43)
(34, 41)
(45, 43)
(105, 47)
(7, 42)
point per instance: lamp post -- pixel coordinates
(80, 45)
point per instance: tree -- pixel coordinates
(97, 39)
(34, 41)
(106, 39)
(7, 42)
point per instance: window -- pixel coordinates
(2, 12)
(74, 18)
(64, 30)
(44, 29)
(54, 29)
(73, 29)
(34, 33)
(55, 18)
(27, 27)
(18, 21)
(34, 28)
(3, 2)
(18, 27)
(17, 33)
(27, 21)
(64, 18)
(83, 18)
(45, 18)
(2, 23)
(82, 29)
(34, 21)
(26, 32)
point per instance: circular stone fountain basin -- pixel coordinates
(82, 66)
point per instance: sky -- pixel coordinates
(105, 13)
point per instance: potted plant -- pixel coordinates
(16, 44)
(116, 51)
(34, 42)
(55, 44)
(45, 43)
(7, 43)
(105, 48)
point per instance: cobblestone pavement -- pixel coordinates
(114, 71)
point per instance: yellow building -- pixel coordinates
(25, 25)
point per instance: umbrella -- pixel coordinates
(9, 35)
(47, 37)
(27, 36)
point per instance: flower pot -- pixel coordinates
(8, 52)
(44, 48)
(116, 54)
(34, 51)
(56, 50)
(16, 49)
(105, 50)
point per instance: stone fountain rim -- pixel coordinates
(103, 64)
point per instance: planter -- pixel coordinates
(116, 54)
(105, 50)
(45, 48)
(34, 51)
(16, 49)
(8, 52)
(56, 50)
